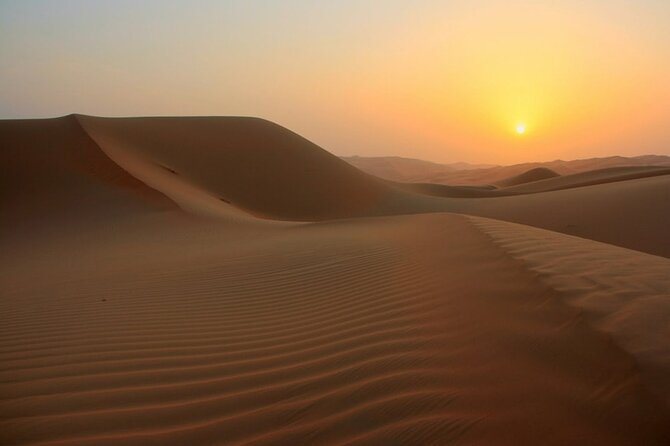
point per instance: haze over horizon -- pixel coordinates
(492, 81)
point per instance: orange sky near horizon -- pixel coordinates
(440, 82)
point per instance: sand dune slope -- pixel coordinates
(230, 167)
(626, 292)
(588, 178)
(445, 191)
(51, 167)
(369, 331)
(253, 164)
(632, 214)
(535, 174)
(536, 182)
(493, 175)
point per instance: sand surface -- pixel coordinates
(419, 171)
(224, 281)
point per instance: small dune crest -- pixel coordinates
(536, 174)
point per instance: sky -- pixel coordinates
(444, 81)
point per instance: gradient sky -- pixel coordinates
(438, 80)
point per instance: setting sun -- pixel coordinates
(521, 128)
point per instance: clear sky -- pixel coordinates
(439, 80)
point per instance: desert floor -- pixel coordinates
(192, 281)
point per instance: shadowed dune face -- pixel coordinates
(49, 164)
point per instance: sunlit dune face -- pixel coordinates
(520, 128)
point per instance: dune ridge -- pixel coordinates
(626, 292)
(631, 214)
(419, 171)
(588, 178)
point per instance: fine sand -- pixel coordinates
(193, 281)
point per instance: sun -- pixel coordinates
(521, 128)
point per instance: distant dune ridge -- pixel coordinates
(529, 176)
(405, 170)
(222, 280)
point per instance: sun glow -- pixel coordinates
(521, 128)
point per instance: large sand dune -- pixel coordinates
(251, 163)
(144, 301)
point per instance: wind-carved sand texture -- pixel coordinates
(626, 292)
(225, 281)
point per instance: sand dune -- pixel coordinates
(627, 207)
(443, 190)
(144, 301)
(627, 293)
(535, 174)
(535, 181)
(362, 331)
(52, 164)
(632, 214)
(242, 166)
(396, 168)
(254, 164)
(588, 178)
(418, 171)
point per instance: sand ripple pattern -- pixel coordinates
(262, 348)
(402, 330)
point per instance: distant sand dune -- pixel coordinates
(535, 174)
(418, 171)
(145, 302)
(588, 178)
(632, 214)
